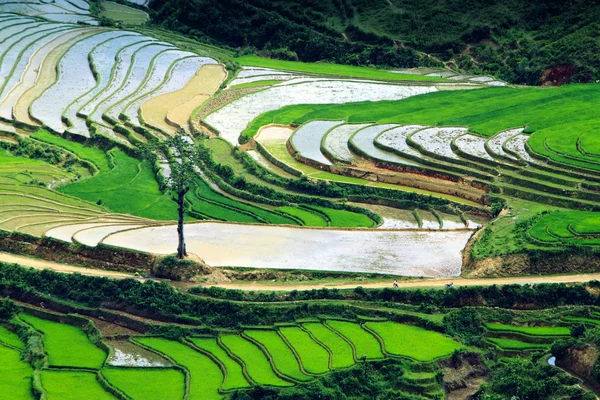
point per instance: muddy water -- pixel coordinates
(409, 253)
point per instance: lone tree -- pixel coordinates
(183, 173)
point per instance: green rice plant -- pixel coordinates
(283, 357)
(313, 356)
(10, 338)
(66, 345)
(256, 83)
(147, 383)
(205, 376)
(344, 218)
(130, 188)
(512, 344)
(256, 362)
(307, 217)
(365, 344)
(413, 342)
(342, 355)
(332, 69)
(530, 330)
(235, 377)
(73, 385)
(91, 154)
(15, 375)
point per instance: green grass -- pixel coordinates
(364, 343)
(531, 330)
(340, 349)
(567, 227)
(71, 385)
(91, 154)
(66, 345)
(206, 376)
(255, 84)
(257, 364)
(15, 375)
(413, 342)
(130, 188)
(147, 383)
(20, 170)
(122, 13)
(331, 69)
(307, 217)
(344, 218)
(10, 338)
(235, 377)
(582, 320)
(284, 359)
(313, 356)
(512, 344)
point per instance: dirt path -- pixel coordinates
(417, 283)
(43, 264)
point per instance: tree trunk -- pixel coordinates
(181, 250)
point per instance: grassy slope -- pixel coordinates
(147, 383)
(80, 352)
(314, 358)
(332, 69)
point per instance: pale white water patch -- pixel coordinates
(233, 118)
(473, 145)
(494, 144)
(307, 139)
(437, 140)
(409, 253)
(336, 141)
(121, 359)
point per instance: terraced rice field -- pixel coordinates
(147, 383)
(73, 385)
(15, 375)
(341, 351)
(512, 344)
(235, 376)
(284, 358)
(413, 342)
(365, 345)
(205, 375)
(314, 357)
(530, 330)
(122, 13)
(80, 353)
(256, 362)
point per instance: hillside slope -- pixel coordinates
(520, 42)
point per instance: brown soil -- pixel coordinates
(109, 329)
(463, 375)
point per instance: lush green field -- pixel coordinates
(130, 187)
(235, 377)
(567, 227)
(15, 375)
(255, 84)
(364, 343)
(313, 356)
(72, 385)
(531, 330)
(80, 352)
(205, 375)
(414, 342)
(122, 13)
(307, 217)
(21, 170)
(147, 383)
(332, 69)
(92, 154)
(345, 219)
(284, 359)
(342, 356)
(512, 344)
(257, 364)
(10, 338)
